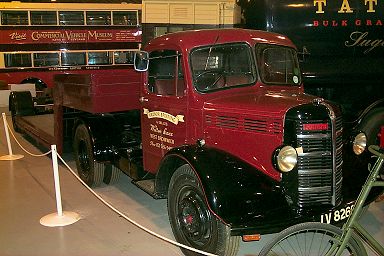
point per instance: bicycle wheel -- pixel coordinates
(310, 239)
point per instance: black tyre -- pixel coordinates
(13, 115)
(111, 174)
(90, 171)
(310, 239)
(192, 222)
(20, 104)
(14, 123)
(371, 126)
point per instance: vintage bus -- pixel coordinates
(39, 40)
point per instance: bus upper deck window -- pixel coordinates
(45, 59)
(71, 18)
(43, 18)
(159, 31)
(72, 58)
(125, 18)
(17, 60)
(14, 18)
(124, 57)
(98, 18)
(99, 58)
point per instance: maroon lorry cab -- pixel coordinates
(223, 97)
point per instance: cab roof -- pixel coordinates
(195, 38)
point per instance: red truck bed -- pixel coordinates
(99, 93)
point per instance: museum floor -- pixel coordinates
(27, 194)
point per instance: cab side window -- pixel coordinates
(165, 74)
(278, 65)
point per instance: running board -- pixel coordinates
(147, 186)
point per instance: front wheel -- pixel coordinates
(192, 222)
(311, 239)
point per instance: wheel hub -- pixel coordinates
(83, 159)
(194, 218)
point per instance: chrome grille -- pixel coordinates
(320, 165)
(338, 175)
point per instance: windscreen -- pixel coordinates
(222, 66)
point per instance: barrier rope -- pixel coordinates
(26, 151)
(114, 209)
(129, 219)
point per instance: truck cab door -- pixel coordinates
(164, 106)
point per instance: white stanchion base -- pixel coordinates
(10, 157)
(54, 220)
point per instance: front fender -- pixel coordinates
(236, 192)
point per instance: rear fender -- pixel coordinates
(104, 132)
(21, 103)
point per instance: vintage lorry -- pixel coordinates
(217, 122)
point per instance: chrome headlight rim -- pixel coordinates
(285, 158)
(359, 144)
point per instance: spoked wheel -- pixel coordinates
(90, 171)
(310, 239)
(192, 222)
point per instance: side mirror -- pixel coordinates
(141, 61)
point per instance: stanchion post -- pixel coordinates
(59, 218)
(10, 156)
(57, 181)
(7, 135)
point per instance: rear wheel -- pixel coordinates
(14, 123)
(90, 171)
(310, 239)
(20, 104)
(111, 174)
(192, 222)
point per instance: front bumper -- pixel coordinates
(275, 220)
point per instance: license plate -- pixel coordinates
(337, 215)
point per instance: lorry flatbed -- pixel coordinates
(38, 127)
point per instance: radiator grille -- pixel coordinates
(320, 166)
